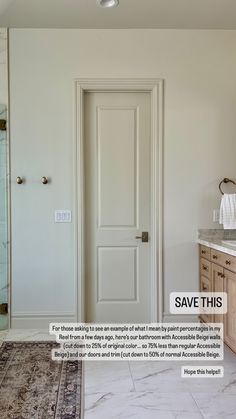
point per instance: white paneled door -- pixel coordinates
(117, 206)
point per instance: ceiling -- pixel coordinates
(168, 14)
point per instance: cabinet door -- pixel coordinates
(217, 286)
(230, 317)
(205, 268)
(206, 286)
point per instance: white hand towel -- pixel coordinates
(228, 211)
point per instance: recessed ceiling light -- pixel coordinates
(107, 3)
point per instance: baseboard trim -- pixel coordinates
(184, 318)
(40, 320)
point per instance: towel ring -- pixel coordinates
(225, 180)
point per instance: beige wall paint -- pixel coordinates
(199, 70)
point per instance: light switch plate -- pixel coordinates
(62, 216)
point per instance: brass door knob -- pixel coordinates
(44, 180)
(19, 180)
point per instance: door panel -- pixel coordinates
(122, 284)
(117, 197)
(111, 158)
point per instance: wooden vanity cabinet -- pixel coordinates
(217, 286)
(218, 274)
(205, 286)
(230, 317)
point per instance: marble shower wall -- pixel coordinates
(3, 177)
(3, 67)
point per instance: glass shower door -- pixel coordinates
(4, 290)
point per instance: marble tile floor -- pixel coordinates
(27, 335)
(155, 390)
(150, 390)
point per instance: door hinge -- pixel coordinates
(3, 124)
(4, 308)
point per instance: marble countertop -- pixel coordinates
(218, 244)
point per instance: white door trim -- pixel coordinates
(155, 88)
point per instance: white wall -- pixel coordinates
(199, 69)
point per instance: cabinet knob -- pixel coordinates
(203, 252)
(222, 276)
(205, 267)
(228, 262)
(214, 257)
(219, 274)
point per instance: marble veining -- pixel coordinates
(3, 67)
(149, 389)
(216, 406)
(27, 335)
(215, 238)
(141, 405)
(216, 234)
(218, 245)
(98, 377)
(159, 391)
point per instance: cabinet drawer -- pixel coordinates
(205, 284)
(223, 259)
(229, 262)
(216, 256)
(205, 252)
(205, 268)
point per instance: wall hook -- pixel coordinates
(19, 180)
(44, 180)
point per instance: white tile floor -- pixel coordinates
(155, 390)
(150, 390)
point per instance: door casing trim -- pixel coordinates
(156, 89)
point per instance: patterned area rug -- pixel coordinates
(32, 386)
